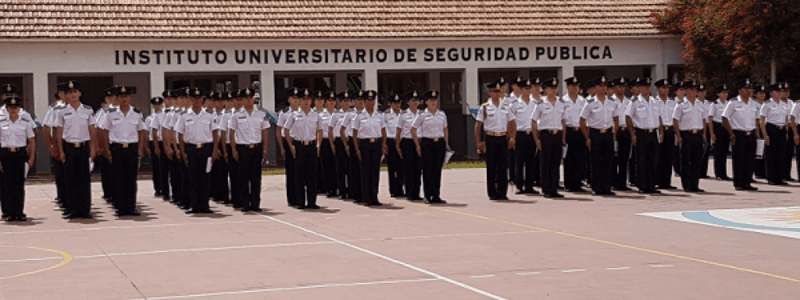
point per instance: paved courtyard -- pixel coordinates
(720, 245)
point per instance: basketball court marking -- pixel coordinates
(780, 221)
(66, 259)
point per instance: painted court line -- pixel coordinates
(618, 269)
(482, 276)
(661, 266)
(291, 289)
(528, 273)
(131, 227)
(390, 259)
(574, 270)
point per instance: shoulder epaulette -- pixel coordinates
(3, 119)
(486, 103)
(86, 106)
(137, 110)
(59, 107)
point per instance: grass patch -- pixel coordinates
(452, 165)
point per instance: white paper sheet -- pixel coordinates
(616, 146)
(208, 165)
(759, 148)
(564, 151)
(91, 165)
(27, 168)
(447, 156)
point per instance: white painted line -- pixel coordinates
(390, 259)
(129, 227)
(528, 273)
(661, 266)
(482, 276)
(618, 269)
(574, 270)
(291, 288)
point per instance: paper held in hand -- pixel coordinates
(447, 156)
(27, 168)
(208, 165)
(759, 148)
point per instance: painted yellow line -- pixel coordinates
(66, 256)
(40, 205)
(703, 261)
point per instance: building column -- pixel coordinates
(267, 93)
(41, 101)
(371, 82)
(472, 99)
(564, 73)
(156, 83)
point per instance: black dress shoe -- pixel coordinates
(750, 188)
(578, 190)
(557, 195)
(300, 207)
(699, 191)
(657, 192)
(21, 219)
(439, 200)
(313, 206)
(200, 211)
(414, 199)
(343, 197)
(531, 192)
(493, 198)
(376, 203)
(504, 198)
(738, 188)
(257, 209)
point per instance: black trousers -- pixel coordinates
(602, 165)
(102, 164)
(57, 167)
(552, 148)
(744, 156)
(666, 155)
(77, 186)
(354, 173)
(647, 148)
(176, 178)
(707, 150)
(164, 171)
(395, 168)
(788, 154)
(496, 166)
(328, 162)
(13, 204)
(186, 202)
(691, 158)
(342, 167)
(125, 169)
(233, 174)
(512, 161)
(291, 194)
(759, 166)
(198, 178)
(622, 159)
(370, 169)
(249, 179)
(155, 162)
(412, 164)
(526, 161)
(721, 149)
(774, 153)
(219, 181)
(433, 153)
(575, 161)
(305, 168)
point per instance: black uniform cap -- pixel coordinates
(722, 88)
(121, 91)
(9, 89)
(196, 92)
(157, 101)
(600, 81)
(572, 81)
(518, 81)
(305, 92)
(108, 92)
(761, 88)
(395, 98)
(370, 94)
(414, 94)
(553, 82)
(702, 87)
(662, 82)
(330, 95)
(246, 92)
(432, 94)
(168, 94)
(69, 85)
(319, 94)
(745, 83)
(13, 101)
(497, 84)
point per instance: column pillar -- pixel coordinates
(156, 83)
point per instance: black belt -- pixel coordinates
(550, 131)
(776, 126)
(651, 130)
(693, 131)
(13, 149)
(525, 132)
(77, 145)
(249, 146)
(198, 146)
(667, 128)
(124, 145)
(371, 141)
(304, 143)
(573, 128)
(748, 132)
(435, 140)
(601, 131)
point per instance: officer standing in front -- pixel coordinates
(393, 160)
(702, 90)
(666, 156)
(369, 129)
(623, 147)
(774, 115)
(599, 120)
(575, 160)
(122, 126)
(501, 131)
(198, 141)
(412, 161)
(645, 128)
(719, 136)
(249, 136)
(431, 137)
(689, 122)
(549, 124)
(17, 148)
(526, 166)
(75, 142)
(739, 119)
(303, 132)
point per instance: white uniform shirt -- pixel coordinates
(644, 113)
(405, 122)
(715, 110)
(15, 134)
(336, 121)
(123, 129)
(430, 125)
(224, 123)
(282, 117)
(197, 128)
(522, 113)
(622, 106)
(573, 109)
(600, 115)
(148, 123)
(369, 125)
(49, 117)
(75, 123)
(665, 110)
(795, 111)
(390, 118)
(304, 126)
(494, 118)
(349, 120)
(155, 123)
(741, 116)
(776, 112)
(326, 117)
(248, 127)
(690, 116)
(548, 116)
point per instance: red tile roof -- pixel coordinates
(324, 19)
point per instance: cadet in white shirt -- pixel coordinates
(198, 142)
(369, 129)
(393, 160)
(774, 115)
(156, 144)
(327, 157)
(516, 94)
(289, 160)
(760, 96)
(339, 146)
(232, 104)
(431, 137)
(526, 167)
(56, 165)
(549, 124)
(644, 122)
(249, 144)
(689, 121)
(719, 136)
(346, 132)
(622, 159)
(303, 131)
(218, 178)
(75, 142)
(788, 152)
(412, 161)
(17, 148)
(124, 128)
(496, 119)
(172, 155)
(599, 120)
(575, 161)
(739, 119)
(702, 90)
(667, 151)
